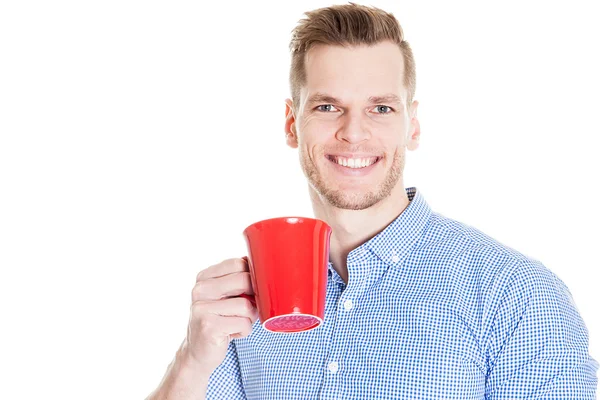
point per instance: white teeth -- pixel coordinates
(354, 162)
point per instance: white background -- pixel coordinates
(139, 138)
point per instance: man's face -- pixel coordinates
(352, 124)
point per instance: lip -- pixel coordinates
(356, 172)
(353, 155)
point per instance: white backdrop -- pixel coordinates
(139, 138)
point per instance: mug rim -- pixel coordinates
(285, 218)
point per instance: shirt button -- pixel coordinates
(348, 305)
(333, 367)
(395, 258)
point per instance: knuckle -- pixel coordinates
(199, 291)
(198, 311)
(200, 276)
(195, 292)
(206, 324)
(205, 273)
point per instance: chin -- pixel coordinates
(348, 200)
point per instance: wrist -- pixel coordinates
(190, 367)
(184, 380)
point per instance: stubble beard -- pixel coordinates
(353, 200)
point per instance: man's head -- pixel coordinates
(352, 81)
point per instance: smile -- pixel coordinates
(354, 163)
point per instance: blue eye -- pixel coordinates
(384, 109)
(325, 107)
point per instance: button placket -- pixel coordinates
(333, 361)
(335, 366)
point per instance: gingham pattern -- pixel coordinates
(434, 309)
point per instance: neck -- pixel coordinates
(351, 228)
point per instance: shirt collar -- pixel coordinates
(394, 243)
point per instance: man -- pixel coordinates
(419, 306)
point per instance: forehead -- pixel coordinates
(355, 71)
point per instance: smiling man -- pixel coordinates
(419, 306)
(353, 121)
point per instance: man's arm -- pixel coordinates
(183, 381)
(537, 345)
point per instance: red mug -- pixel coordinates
(287, 259)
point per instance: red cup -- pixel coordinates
(287, 259)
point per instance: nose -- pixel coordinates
(354, 128)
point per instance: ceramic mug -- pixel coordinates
(287, 259)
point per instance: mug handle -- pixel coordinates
(248, 296)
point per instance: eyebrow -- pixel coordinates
(325, 98)
(322, 98)
(386, 98)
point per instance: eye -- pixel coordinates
(384, 110)
(326, 108)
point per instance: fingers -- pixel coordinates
(214, 328)
(235, 327)
(226, 279)
(226, 267)
(218, 313)
(211, 330)
(225, 286)
(232, 307)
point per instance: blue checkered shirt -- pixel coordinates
(433, 309)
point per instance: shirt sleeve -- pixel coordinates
(538, 344)
(226, 381)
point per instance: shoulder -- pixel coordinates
(478, 250)
(474, 261)
(493, 287)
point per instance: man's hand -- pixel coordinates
(218, 313)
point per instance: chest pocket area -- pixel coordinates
(422, 344)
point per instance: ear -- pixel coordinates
(290, 125)
(414, 131)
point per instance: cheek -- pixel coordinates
(312, 154)
(393, 137)
(319, 124)
(314, 135)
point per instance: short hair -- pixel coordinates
(347, 25)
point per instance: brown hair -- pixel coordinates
(347, 25)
